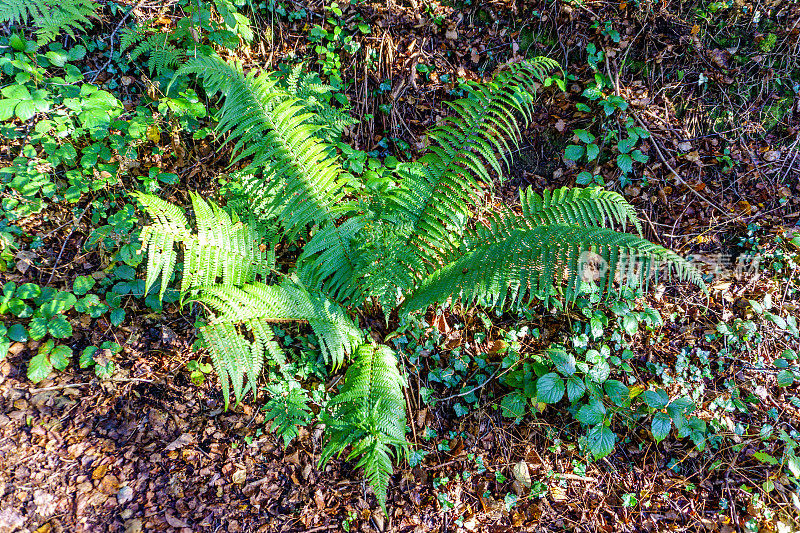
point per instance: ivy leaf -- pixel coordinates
(39, 367)
(661, 426)
(550, 388)
(573, 152)
(601, 441)
(592, 413)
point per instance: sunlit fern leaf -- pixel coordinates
(49, 17)
(369, 414)
(288, 301)
(223, 249)
(230, 352)
(590, 206)
(437, 194)
(169, 225)
(534, 262)
(273, 129)
(287, 409)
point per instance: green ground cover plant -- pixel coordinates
(394, 243)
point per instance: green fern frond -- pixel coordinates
(304, 183)
(289, 301)
(590, 206)
(162, 54)
(169, 225)
(533, 262)
(49, 17)
(224, 249)
(437, 194)
(287, 409)
(369, 415)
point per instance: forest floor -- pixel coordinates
(718, 89)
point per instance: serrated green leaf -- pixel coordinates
(617, 392)
(574, 152)
(513, 405)
(575, 388)
(592, 151)
(39, 367)
(87, 357)
(600, 372)
(766, 458)
(625, 163)
(601, 441)
(550, 388)
(584, 136)
(82, 285)
(17, 333)
(661, 426)
(564, 362)
(785, 378)
(657, 399)
(60, 357)
(592, 413)
(59, 327)
(61, 302)
(28, 291)
(117, 316)
(37, 329)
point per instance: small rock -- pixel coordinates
(772, 155)
(124, 495)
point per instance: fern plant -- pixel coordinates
(49, 17)
(398, 244)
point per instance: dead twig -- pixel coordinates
(671, 169)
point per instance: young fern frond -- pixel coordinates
(369, 414)
(50, 17)
(287, 409)
(162, 54)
